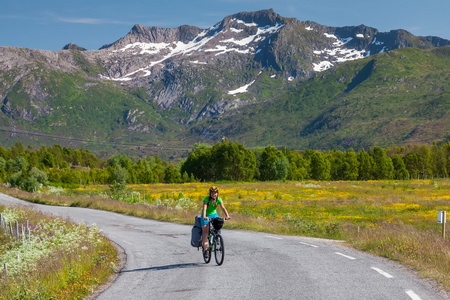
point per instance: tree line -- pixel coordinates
(29, 168)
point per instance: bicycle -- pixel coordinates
(215, 242)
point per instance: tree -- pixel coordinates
(143, 171)
(439, 159)
(336, 159)
(198, 163)
(365, 169)
(411, 161)
(185, 177)
(4, 153)
(28, 179)
(20, 164)
(400, 171)
(69, 176)
(320, 166)
(231, 161)
(268, 160)
(158, 166)
(425, 164)
(298, 166)
(2, 168)
(383, 168)
(17, 150)
(2, 163)
(48, 160)
(350, 165)
(280, 168)
(172, 175)
(118, 179)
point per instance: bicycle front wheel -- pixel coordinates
(219, 249)
(207, 253)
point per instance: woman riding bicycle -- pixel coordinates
(209, 212)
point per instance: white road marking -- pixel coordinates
(274, 237)
(346, 256)
(412, 295)
(387, 275)
(127, 242)
(311, 245)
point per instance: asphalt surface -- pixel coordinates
(161, 264)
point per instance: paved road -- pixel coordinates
(161, 264)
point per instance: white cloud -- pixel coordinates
(81, 20)
(90, 21)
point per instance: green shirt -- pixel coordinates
(212, 209)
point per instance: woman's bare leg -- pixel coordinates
(205, 236)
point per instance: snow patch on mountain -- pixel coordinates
(337, 54)
(198, 62)
(144, 48)
(243, 89)
(165, 51)
(377, 43)
(322, 66)
(246, 24)
(224, 49)
(384, 49)
(128, 76)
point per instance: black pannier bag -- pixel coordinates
(217, 223)
(196, 233)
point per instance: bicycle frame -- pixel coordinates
(216, 245)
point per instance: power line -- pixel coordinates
(34, 133)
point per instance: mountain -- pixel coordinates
(255, 76)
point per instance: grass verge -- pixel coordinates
(60, 260)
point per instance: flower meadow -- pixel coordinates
(396, 219)
(59, 259)
(314, 208)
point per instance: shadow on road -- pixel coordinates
(168, 267)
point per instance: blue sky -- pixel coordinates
(51, 24)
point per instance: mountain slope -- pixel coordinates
(254, 76)
(398, 97)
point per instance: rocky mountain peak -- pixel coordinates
(155, 35)
(72, 46)
(262, 18)
(297, 49)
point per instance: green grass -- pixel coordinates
(61, 260)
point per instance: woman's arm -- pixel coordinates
(205, 206)
(225, 211)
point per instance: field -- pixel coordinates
(311, 208)
(393, 219)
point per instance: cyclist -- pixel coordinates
(209, 212)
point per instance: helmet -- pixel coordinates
(214, 189)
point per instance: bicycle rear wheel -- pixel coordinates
(219, 249)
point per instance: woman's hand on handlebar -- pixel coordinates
(227, 217)
(206, 218)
